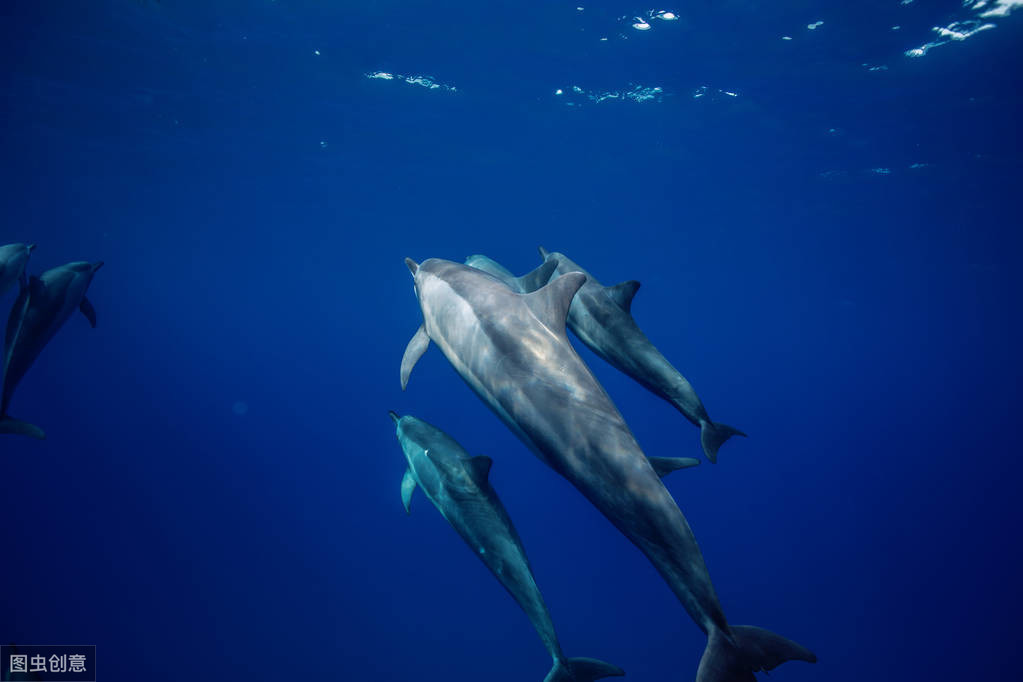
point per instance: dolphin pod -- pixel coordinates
(459, 486)
(512, 349)
(43, 306)
(602, 319)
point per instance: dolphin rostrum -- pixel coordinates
(43, 306)
(13, 258)
(459, 486)
(600, 316)
(513, 351)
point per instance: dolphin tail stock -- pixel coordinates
(11, 425)
(581, 670)
(713, 436)
(754, 650)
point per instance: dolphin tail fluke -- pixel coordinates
(10, 425)
(754, 650)
(713, 436)
(581, 670)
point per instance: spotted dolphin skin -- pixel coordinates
(43, 306)
(13, 258)
(459, 486)
(513, 351)
(601, 317)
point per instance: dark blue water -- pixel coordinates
(218, 497)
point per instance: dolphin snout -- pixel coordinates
(97, 265)
(413, 267)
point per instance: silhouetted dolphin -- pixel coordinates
(13, 258)
(43, 306)
(513, 351)
(458, 485)
(600, 316)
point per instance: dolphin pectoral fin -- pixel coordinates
(665, 465)
(713, 436)
(550, 303)
(623, 293)
(754, 650)
(90, 313)
(408, 485)
(479, 467)
(9, 425)
(413, 351)
(582, 670)
(534, 279)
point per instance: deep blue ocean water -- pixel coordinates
(830, 254)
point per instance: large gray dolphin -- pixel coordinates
(13, 258)
(513, 351)
(459, 486)
(43, 306)
(601, 317)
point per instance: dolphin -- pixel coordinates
(458, 485)
(13, 258)
(513, 351)
(600, 316)
(43, 306)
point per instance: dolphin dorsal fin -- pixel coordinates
(623, 293)
(665, 465)
(550, 303)
(479, 468)
(536, 278)
(408, 486)
(413, 351)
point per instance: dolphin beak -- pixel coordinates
(413, 267)
(543, 253)
(30, 247)
(394, 416)
(97, 265)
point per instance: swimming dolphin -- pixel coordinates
(458, 485)
(43, 306)
(600, 316)
(13, 258)
(513, 351)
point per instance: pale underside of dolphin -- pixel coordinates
(602, 319)
(42, 308)
(513, 351)
(459, 487)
